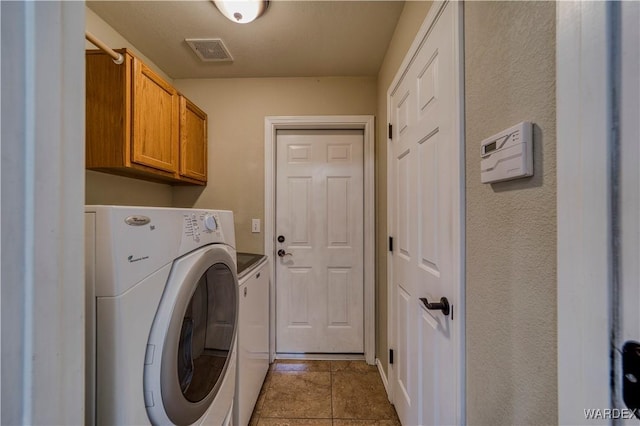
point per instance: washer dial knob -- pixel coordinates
(210, 222)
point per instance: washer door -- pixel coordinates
(196, 327)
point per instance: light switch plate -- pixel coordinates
(255, 226)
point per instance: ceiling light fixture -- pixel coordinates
(242, 11)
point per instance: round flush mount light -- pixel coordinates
(242, 11)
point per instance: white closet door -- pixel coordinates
(425, 174)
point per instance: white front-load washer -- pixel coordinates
(162, 308)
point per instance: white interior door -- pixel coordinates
(425, 194)
(319, 218)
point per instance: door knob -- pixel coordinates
(283, 253)
(281, 238)
(442, 305)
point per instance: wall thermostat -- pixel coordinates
(507, 155)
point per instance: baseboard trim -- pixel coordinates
(320, 357)
(383, 376)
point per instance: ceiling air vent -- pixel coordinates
(209, 49)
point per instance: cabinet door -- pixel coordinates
(155, 121)
(193, 141)
(108, 117)
(253, 342)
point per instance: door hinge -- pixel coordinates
(391, 244)
(390, 131)
(390, 356)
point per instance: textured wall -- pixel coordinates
(103, 188)
(511, 226)
(411, 19)
(236, 109)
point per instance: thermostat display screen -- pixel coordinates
(490, 147)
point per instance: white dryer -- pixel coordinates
(162, 308)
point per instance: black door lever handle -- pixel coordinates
(283, 253)
(442, 305)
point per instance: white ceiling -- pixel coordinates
(292, 39)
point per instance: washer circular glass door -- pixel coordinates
(206, 334)
(198, 313)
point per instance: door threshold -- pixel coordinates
(320, 356)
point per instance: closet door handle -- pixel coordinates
(442, 305)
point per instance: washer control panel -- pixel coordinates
(209, 222)
(202, 226)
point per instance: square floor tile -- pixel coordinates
(295, 395)
(257, 409)
(340, 422)
(360, 396)
(348, 365)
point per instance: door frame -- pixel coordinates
(587, 132)
(323, 122)
(459, 242)
(42, 170)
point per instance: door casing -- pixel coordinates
(459, 245)
(331, 122)
(591, 137)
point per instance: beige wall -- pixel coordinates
(236, 109)
(409, 23)
(103, 188)
(511, 226)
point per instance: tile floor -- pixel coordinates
(323, 393)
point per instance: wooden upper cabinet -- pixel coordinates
(155, 120)
(193, 141)
(135, 125)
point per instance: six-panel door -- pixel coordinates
(425, 170)
(319, 215)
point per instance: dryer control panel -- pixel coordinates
(131, 243)
(202, 227)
